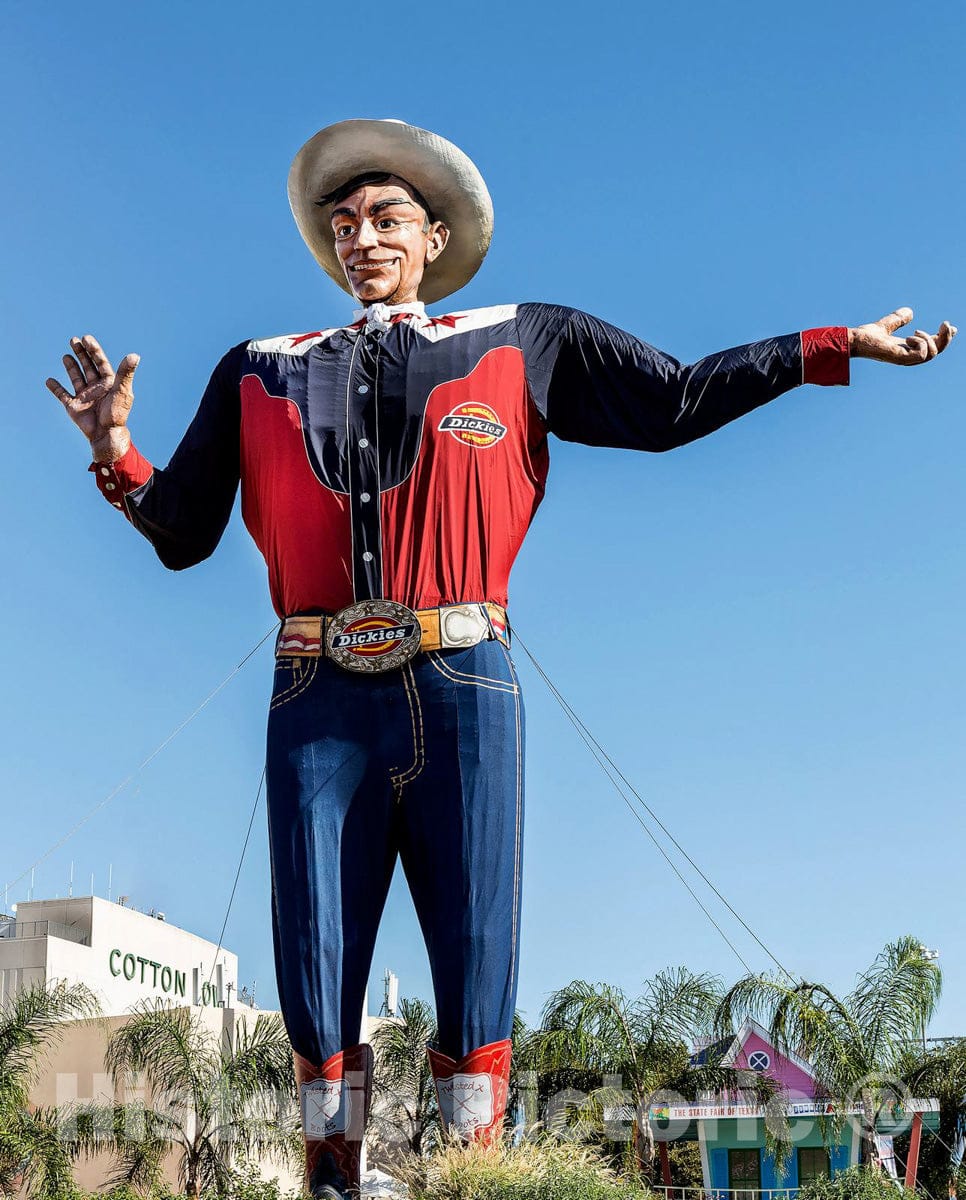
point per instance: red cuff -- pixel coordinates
(825, 355)
(114, 480)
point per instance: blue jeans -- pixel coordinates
(425, 762)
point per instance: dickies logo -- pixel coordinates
(474, 425)
(372, 637)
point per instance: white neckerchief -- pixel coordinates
(379, 316)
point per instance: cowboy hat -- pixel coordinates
(438, 170)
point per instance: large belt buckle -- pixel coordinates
(463, 625)
(373, 636)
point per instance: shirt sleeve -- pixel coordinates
(183, 508)
(596, 384)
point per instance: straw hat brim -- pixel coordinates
(446, 177)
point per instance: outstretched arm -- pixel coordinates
(596, 384)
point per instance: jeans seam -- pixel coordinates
(401, 778)
(297, 687)
(517, 830)
(496, 685)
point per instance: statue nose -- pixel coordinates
(367, 235)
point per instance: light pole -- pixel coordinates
(929, 956)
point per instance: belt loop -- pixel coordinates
(508, 636)
(494, 636)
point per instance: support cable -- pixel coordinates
(600, 753)
(234, 886)
(146, 762)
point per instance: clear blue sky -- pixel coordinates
(764, 628)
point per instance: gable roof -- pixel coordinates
(713, 1053)
(725, 1051)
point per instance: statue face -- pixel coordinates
(385, 241)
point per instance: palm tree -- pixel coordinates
(860, 1045)
(405, 1109)
(32, 1152)
(624, 1051)
(213, 1101)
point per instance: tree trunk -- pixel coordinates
(643, 1147)
(869, 1115)
(191, 1179)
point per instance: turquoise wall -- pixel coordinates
(744, 1133)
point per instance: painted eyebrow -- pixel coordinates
(394, 200)
(348, 212)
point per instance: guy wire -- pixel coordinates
(231, 898)
(600, 753)
(150, 758)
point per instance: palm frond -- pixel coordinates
(31, 1147)
(591, 1023)
(405, 1107)
(894, 999)
(170, 1047)
(677, 1004)
(257, 1066)
(31, 1023)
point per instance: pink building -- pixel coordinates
(730, 1128)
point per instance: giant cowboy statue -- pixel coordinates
(389, 471)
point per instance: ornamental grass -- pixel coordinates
(542, 1169)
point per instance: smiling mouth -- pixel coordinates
(374, 265)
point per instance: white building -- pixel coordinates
(122, 955)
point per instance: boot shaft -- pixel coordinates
(334, 1098)
(472, 1092)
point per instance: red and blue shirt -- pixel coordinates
(404, 458)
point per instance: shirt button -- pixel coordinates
(367, 557)
(105, 470)
(109, 486)
(365, 497)
(363, 443)
(362, 388)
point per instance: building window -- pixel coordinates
(813, 1163)
(744, 1174)
(759, 1061)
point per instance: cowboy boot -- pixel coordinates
(473, 1092)
(334, 1100)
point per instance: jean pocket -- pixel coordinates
(471, 668)
(292, 677)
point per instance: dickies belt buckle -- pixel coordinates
(373, 636)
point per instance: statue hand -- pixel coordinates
(875, 340)
(102, 399)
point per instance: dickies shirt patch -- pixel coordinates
(474, 424)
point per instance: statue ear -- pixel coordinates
(436, 243)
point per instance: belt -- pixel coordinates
(371, 631)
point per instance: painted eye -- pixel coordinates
(387, 223)
(343, 231)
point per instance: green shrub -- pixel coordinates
(124, 1191)
(248, 1184)
(857, 1183)
(534, 1170)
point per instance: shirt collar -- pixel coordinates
(379, 316)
